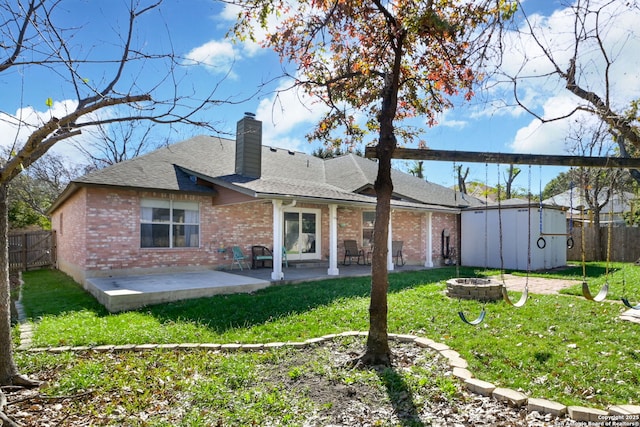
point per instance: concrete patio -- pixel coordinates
(131, 292)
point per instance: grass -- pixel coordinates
(197, 387)
(558, 347)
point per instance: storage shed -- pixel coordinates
(522, 223)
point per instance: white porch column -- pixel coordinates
(390, 266)
(277, 273)
(428, 261)
(333, 241)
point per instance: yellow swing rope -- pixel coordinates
(586, 292)
(525, 294)
(483, 313)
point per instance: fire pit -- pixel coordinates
(474, 288)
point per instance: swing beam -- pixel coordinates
(508, 158)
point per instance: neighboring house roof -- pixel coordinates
(515, 203)
(193, 165)
(574, 200)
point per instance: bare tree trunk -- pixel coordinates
(8, 369)
(511, 176)
(462, 180)
(378, 351)
(600, 249)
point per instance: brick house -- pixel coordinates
(182, 207)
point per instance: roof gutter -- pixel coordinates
(426, 208)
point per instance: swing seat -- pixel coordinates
(628, 304)
(474, 322)
(523, 298)
(598, 298)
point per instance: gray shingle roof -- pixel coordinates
(284, 174)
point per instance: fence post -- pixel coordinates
(24, 252)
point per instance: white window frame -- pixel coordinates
(171, 222)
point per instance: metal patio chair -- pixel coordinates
(396, 252)
(239, 258)
(351, 251)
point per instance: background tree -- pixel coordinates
(462, 179)
(116, 142)
(585, 55)
(557, 185)
(512, 174)
(417, 169)
(333, 152)
(388, 61)
(33, 43)
(596, 186)
(32, 192)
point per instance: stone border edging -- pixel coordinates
(459, 365)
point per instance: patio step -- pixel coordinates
(308, 264)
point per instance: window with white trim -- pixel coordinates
(169, 224)
(368, 222)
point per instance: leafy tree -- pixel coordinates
(632, 217)
(417, 169)
(330, 153)
(34, 44)
(557, 185)
(388, 61)
(32, 192)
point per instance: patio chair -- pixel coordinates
(396, 251)
(239, 258)
(261, 257)
(351, 251)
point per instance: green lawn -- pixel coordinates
(559, 347)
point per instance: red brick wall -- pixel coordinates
(411, 228)
(241, 225)
(450, 222)
(70, 224)
(99, 232)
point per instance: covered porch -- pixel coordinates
(327, 245)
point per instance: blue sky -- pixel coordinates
(196, 28)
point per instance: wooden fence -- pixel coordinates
(29, 250)
(625, 244)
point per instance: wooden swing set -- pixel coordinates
(527, 159)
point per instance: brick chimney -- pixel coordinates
(249, 146)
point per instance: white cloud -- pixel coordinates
(547, 95)
(230, 14)
(217, 56)
(549, 138)
(288, 112)
(16, 129)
